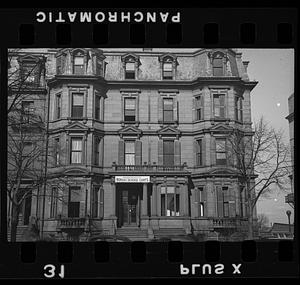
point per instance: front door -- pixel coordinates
(129, 200)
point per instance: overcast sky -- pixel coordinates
(274, 71)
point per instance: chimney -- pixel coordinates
(245, 63)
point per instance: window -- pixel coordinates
(97, 107)
(56, 151)
(60, 64)
(27, 110)
(218, 68)
(219, 105)
(129, 153)
(199, 107)
(95, 202)
(97, 150)
(29, 72)
(238, 107)
(77, 105)
(199, 161)
(220, 151)
(58, 106)
(170, 202)
(225, 202)
(200, 201)
(74, 202)
(76, 150)
(168, 153)
(129, 109)
(129, 70)
(78, 65)
(167, 71)
(168, 110)
(53, 202)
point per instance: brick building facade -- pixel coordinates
(137, 142)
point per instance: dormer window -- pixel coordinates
(218, 62)
(78, 64)
(129, 70)
(167, 71)
(31, 70)
(168, 63)
(131, 63)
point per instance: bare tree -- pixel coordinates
(262, 161)
(27, 146)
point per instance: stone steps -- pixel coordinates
(134, 234)
(169, 232)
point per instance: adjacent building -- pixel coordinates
(136, 141)
(290, 197)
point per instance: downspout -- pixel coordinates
(46, 162)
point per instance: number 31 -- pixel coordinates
(50, 271)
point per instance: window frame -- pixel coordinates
(125, 117)
(220, 67)
(164, 72)
(53, 203)
(221, 161)
(199, 107)
(164, 201)
(79, 138)
(199, 162)
(168, 157)
(72, 104)
(130, 154)
(27, 111)
(58, 106)
(130, 74)
(97, 141)
(72, 203)
(98, 108)
(81, 56)
(165, 99)
(216, 96)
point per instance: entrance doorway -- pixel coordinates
(129, 197)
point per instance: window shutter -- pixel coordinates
(213, 150)
(203, 152)
(121, 153)
(160, 152)
(220, 201)
(160, 109)
(175, 109)
(232, 212)
(138, 152)
(177, 155)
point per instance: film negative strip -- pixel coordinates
(130, 148)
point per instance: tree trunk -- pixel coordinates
(14, 223)
(250, 213)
